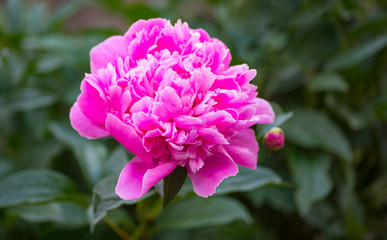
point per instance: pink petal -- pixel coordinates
(128, 137)
(185, 121)
(92, 104)
(107, 51)
(140, 25)
(264, 112)
(84, 126)
(212, 136)
(142, 105)
(243, 148)
(203, 78)
(138, 177)
(169, 105)
(216, 168)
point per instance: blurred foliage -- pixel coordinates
(321, 63)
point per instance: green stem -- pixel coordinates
(140, 229)
(120, 232)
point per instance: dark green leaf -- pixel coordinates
(278, 121)
(200, 212)
(28, 99)
(172, 184)
(313, 129)
(105, 199)
(358, 53)
(90, 155)
(65, 213)
(248, 179)
(328, 81)
(34, 186)
(116, 162)
(310, 172)
(278, 197)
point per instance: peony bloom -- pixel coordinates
(168, 95)
(274, 139)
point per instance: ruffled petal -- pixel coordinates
(91, 103)
(216, 168)
(243, 148)
(128, 137)
(264, 113)
(84, 126)
(107, 51)
(138, 177)
(140, 25)
(169, 106)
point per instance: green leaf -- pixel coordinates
(313, 129)
(278, 121)
(248, 179)
(358, 53)
(6, 166)
(328, 81)
(65, 213)
(27, 99)
(34, 186)
(90, 154)
(172, 184)
(13, 10)
(116, 162)
(201, 212)
(64, 12)
(310, 172)
(277, 196)
(105, 199)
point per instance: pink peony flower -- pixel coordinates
(169, 96)
(274, 139)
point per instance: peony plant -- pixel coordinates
(168, 94)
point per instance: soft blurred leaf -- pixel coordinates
(324, 216)
(278, 197)
(116, 162)
(6, 166)
(65, 11)
(34, 186)
(310, 172)
(328, 81)
(90, 155)
(14, 12)
(358, 53)
(201, 212)
(36, 19)
(313, 129)
(64, 213)
(27, 99)
(278, 121)
(105, 199)
(248, 179)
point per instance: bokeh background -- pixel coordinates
(322, 64)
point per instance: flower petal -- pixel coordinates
(107, 51)
(243, 148)
(128, 137)
(169, 106)
(91, 103)
(138, 177)
(264, 112)
(84, 126)
(140, 25)
(216, 168)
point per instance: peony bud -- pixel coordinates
(274, 139)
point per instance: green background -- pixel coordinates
(322, 65)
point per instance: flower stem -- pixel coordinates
(120, 232)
